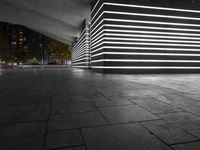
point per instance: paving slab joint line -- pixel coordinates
(47, 126)
(185, 142)
(83, 139)
(192, 134)
(101, 113)
(64, 147)
(146, 109)
(155, 136)
(176, 106)
(103, 95)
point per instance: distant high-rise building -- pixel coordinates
(24, 41)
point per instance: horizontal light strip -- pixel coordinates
(83, 46)
(82, 56)
(151, 15)
(151, 32)
(152, 40)
(83, 39)
(96, 50)
(82, 59)
(141, 43)
(152, 7)
(97, 42)
(94, 7)
(150, 36)
(146, 7)
(146, 40)
(93, 23)
(151, 54)
(153, 22)
(145, 48)
(82, 52)
(97, 38)
(96, 12)
(80, 39)
(154, 28)
(142, 67)
(80, 34)
(145, 60)
(80, 66)
(80, 63)
(150, 48)
(79, 46)
(78, 52)
(94, 37)
(93, 29)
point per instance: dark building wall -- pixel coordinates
(81, 49)
(145, 36)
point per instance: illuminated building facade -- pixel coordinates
(81, 48)
(145, 36)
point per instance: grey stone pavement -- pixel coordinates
(74, 109)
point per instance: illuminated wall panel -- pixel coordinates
(81, 49)
(133, 36)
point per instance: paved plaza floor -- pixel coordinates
(74, 109)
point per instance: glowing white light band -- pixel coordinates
(151, 15)
(146, 7)
(151, 54)
(150, 40)
(80, 66)
(145, 60)
(149, 36)
(81, 56)
(81, 63)
(146, 43)
(94, 7)
(152, 22)
(153, 7)
(82, 59)
(151, 32)
(142, 67)
(154, 28)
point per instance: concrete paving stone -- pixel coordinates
(125, 114)
(195, 109)
(60, 92)
(183, 120)
(23, 113)
(121, 137)
(196, 133)
(112, 103)
(86, 98)
(177, 100)
(24, 99)
(187, 146)
(29, 136)
(155, 106)
(168, 132)
(74, 121)
(61, 99)
(62, 139)
(72, 108)
(131, 93)
(113, 95)
(195, 96)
